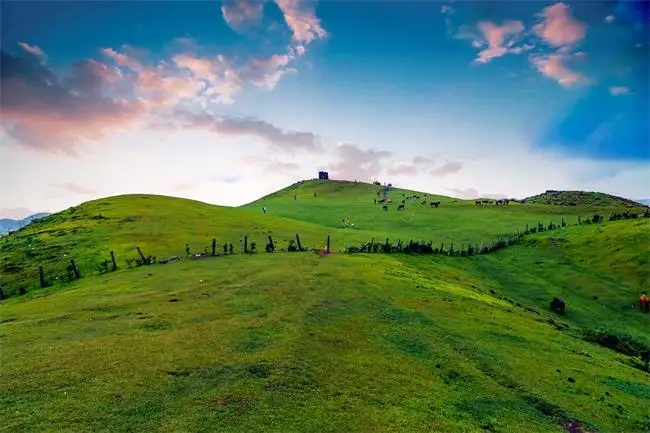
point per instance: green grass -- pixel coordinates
(581, 198)
(297, 342)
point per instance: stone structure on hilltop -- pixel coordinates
(323, 175)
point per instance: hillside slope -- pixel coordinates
(161, 226)
(582, 198)
(294, 342)
(328, 203)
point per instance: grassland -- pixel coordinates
(296, 342)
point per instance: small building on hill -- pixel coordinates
(323, 175)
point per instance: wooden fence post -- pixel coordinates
(245, 244)
(298, 242)
(41, 276)
(114, 261)
(272, 246)
(214, 247)
(144, 259)
(328, 243)
(75, 269)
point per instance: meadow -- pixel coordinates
(300, 342)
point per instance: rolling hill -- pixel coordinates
(577, 198)
(345, 342)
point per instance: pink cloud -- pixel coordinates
(619, 90)
(447, 169)
(558, 27)
(48, 113)
(301, 19)
(355, 163)
(554, 66)
(499, 39)
(122, 59)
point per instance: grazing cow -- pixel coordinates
(403, 201)
(557, 305)
(478, 202)
(400, 207)
(435, 203)
(385, 207)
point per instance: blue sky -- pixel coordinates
(226, 101)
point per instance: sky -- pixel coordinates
(224, 102)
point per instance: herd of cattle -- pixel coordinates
(385, 200)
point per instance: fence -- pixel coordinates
(411, 247)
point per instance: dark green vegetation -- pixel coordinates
(580, 198)
(297, 342)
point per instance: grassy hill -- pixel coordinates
(297, 342)
(582, 198)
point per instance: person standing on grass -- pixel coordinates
(264, 209)
(644, 303)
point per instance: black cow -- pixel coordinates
(385, 207)
(435, 203)
(557, 305)
(400, 207)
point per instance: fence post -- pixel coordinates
(144, 259)
(41, 276)
(298, 242)
(75, 269)
(114, 261)
(214, 247)
(245, 244)
(328, 243)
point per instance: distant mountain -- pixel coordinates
(645, 201)
(7, 225)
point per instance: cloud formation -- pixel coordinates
(239, 14)
(561, 31)
(49, 113)
(300, 17)
(558, 27)
(447, 169)
(278, 139)
(355, 163)
(55, 112)
(555, 28)
(555, 66)
(499, 39)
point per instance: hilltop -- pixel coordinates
(345, 342)
(161, 226)
(581, 198)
